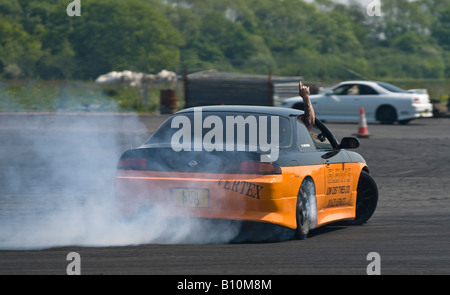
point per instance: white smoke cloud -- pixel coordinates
(57, 186)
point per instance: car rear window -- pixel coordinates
(390, 87)
(165, 132)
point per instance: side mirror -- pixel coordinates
(349, 143)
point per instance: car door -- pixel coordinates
(338, 104)
(350, 102)
(336, 166)
(349, 98)
(362, 96)
(369, 99)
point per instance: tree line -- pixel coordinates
(319, 40)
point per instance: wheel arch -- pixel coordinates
(305, 179)
(311, 185)
(365, 169)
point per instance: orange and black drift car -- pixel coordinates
(247, 163)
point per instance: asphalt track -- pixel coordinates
(410, 229)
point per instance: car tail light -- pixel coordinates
(416, 100)
(132, 164)
(259, 168)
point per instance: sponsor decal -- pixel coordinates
(339, 175)
(215, 140)
(342, 189)
(337, 202)
(242, 187)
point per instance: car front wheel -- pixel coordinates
(366, 199)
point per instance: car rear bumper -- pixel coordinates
(260, 198)
(423, 110)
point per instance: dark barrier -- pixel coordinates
(168, 101)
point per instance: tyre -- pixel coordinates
(306, 209)
(387, 115)
(404, 122)
(366, 199)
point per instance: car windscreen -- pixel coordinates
(224, 128)
(390, 87)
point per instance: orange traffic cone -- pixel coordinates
(363, 131)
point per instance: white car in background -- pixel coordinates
(381, 101)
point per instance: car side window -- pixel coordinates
(366, 90)
(320, 139)
(354, 89)
(312, 140)
(304, 140)
(342, 90)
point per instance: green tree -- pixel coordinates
(321, 39)
(19, 51)
(119, 35)
(220, 34)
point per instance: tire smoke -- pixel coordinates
(57, 186)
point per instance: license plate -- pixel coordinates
(190, 197)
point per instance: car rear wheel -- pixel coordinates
(387, 115)
(305, 208)
(366, 199)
